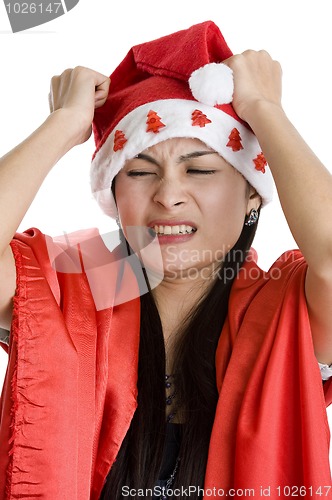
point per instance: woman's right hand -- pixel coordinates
(74, 95)
(80, 91)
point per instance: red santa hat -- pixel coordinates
(175, 86)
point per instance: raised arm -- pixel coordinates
(304, 185)
(73, 97)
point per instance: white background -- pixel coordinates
(98, 34)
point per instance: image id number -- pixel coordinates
(33, 8)
(302, 491)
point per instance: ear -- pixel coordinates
(254, 200)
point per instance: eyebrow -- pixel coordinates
(181, 159)
(195, 154)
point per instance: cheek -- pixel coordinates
(131, 212)
(225, 211)
(131, 205)
(133, 226)
(129, 202)
(227, 202)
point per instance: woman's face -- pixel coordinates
(191, 198)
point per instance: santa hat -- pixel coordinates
(175, 86)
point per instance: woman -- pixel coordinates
(91, 351)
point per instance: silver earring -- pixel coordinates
(117, 220)
(252, 218)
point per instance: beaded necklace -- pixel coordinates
(170, 480)
(169, 382)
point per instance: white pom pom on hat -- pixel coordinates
(212, 84)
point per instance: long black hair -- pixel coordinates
(139, 459)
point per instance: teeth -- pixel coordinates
(182, 229)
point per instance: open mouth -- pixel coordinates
(173, 230)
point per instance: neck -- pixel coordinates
(175, 298)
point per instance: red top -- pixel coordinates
(70, 389)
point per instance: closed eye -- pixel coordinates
(138, 173)
(198, 171)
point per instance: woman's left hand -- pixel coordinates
(304, 185)
(257, 77)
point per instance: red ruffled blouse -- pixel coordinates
(70, 389)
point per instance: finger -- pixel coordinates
(103, 87)
(100, 98)
(101, 93)
(54, 85)
(101, 81)
(50, 102)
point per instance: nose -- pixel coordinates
(170, 193)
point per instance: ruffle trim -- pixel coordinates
(16, 423)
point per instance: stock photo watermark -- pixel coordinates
(262, 491)
(23, 15)
(118, 272)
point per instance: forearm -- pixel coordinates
(304, 185)
(23, 169)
